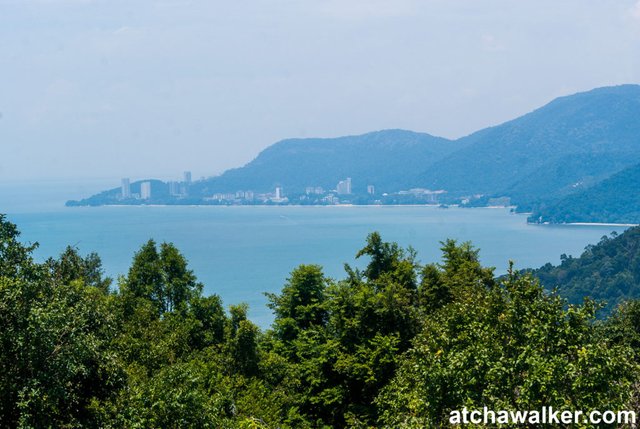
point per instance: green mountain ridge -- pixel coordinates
(565, 147)
(508, 158)
(388, 159)
(614, 200)
(563, 176)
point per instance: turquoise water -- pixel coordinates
(242, 252)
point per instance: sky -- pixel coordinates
(120, 88)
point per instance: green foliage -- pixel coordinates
(396, 344)
(608, 271)
(161, 278)
(300, 306)
(509, 346)
(433, 293)
(72, 266)
(343, 338)
(555, 150)
(210, 315)
(243, 342)
(55, 360)
(183, 395)
(15, 257)
(614, 200)
(623, 327)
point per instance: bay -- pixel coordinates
(242, 252)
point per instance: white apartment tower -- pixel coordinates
(126, 188)
(344, 187)
(145, 190)
(174, 189)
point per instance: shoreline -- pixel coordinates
(585, 224)
(600, 224)
(436, 206)
(270, 205)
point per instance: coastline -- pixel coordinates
(276, 205)
(585, 224)
(600, 224)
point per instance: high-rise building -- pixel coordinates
(145, 190)
(278, 193)
(344, 187)
(187, 177)
(174, 189)
(126, 188)
(371, 189)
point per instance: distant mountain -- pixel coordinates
(390, 160)
(563, 176)
(538, 160)
(608, 271)
(614, 200)
(573, 140)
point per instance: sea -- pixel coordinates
(241, 252)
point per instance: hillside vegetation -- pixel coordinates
(614, 200)
(398, 344)
(520, 158)
(608, 271)
(390, 159)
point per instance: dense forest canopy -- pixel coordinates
(396, 344)
(614, 200)
(608, 271)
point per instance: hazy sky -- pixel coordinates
(110, 88)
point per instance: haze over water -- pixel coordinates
(242, 252)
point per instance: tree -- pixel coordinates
(145, 279)
(161, 278)
(243, 341)
(72, 266)
(300, 305)
(344, 338)
(507, 346)
(389, 259)
(180, 284)
(56, 366)
(15, 257)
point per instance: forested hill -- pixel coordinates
(563, 147)
(614, 200)
(608, 271)
(396, 344)
(566, 145)
(389, 159)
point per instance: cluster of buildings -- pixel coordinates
(277, 196)
(180, 189)
(176, 188)
(429, 196)
(312, 194)
(343, 193)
